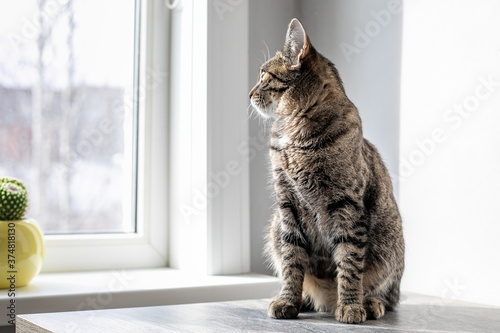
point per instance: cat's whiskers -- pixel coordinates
(264, 56)
(268, 52)
(252, 112)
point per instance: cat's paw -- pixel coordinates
(374, 307)
(282, 310)
(350, 314)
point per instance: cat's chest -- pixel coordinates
(283, 153)
(280, 142)
(295, 160)
(310, 170)
(290, 154)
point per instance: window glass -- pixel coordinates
(67, 111)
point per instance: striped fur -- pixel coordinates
(336, 237)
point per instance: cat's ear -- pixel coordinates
(297, 44)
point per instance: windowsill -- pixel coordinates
(57, 292)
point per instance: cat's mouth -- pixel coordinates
(265, 106)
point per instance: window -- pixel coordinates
(186, 136)
(75, 77)
(66, 92)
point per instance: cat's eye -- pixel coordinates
(262, 74)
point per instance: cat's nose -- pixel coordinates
(252, 91)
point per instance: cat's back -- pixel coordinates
(380, 185)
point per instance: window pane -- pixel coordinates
(66, 106)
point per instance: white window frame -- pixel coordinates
(193, 127)
(148, 246)
(209, 138)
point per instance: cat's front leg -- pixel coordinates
(349, 241)
(293, 257)
(349, 260)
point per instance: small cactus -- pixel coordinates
(13, 199)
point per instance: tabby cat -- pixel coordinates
(336, 238)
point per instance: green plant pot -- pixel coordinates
(22, 250)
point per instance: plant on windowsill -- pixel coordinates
(22, 247)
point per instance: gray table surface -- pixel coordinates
(415, 314)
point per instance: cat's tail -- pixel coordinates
(392, 297)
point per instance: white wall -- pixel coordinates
(450, 162)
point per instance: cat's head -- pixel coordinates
(292, 77)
